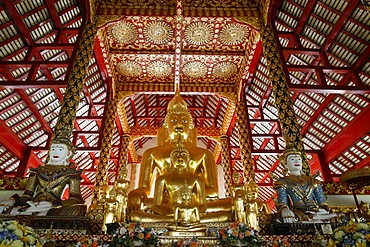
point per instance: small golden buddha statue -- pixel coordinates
(238, 198)
(254, 207)
(187, 215)
(110, 206)
(121, 185)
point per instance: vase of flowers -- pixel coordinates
(134, 234)
(14, 234)
(239, 234)
(351, 235)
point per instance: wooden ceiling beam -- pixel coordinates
(343, 18)
(355, 130)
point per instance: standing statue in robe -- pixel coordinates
(46, 185)
(299, 195)
(254, 207)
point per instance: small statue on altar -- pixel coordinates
(122, 186)
(238, 198)
(46, 185)
(187, 215)
(110, 206)
(254, 207)
(299, 196)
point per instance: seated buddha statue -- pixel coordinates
(299, 196)
(46, 185)
(179, 197)
(178, 123)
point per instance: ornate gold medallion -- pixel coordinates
(233, 34)
(129, 68)
(158, 32)
(159, 69)
(123, 32)
(224, 70)
(195, 69)
(198, 33)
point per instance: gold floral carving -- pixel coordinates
(123, 32)
(224, 70)
(244, 139)
(129, 68)
(104, 19)
(105, 150)
(159, 69)
(198, 33)
(226, 164)
(252, 21)
(233, 34)
(72, 94)
(227, 117)
(122, 116)
(229, 95)
(158, 32)
(195, 69)
(283, 102)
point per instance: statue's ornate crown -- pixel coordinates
(252, 186)
(289, 149)
(177, 106)
(63, 137)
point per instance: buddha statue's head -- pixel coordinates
(252, 189)
(180, 158)
(61, 149)
(236, 177)
(292, 159)
(178, 120)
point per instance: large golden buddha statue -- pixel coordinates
(175, 139)
(178, 124)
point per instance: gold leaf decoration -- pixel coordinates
(199, 33)
(233, 34)
(159, 69)
(195, 69)
(123, 32)
(224, 70)
(158, 32)
(129, 68)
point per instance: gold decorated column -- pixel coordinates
(245, 140)
(76, 79)
(123, 160)
(283, 102)
(225, 162)
(106, 145)
(122, 185)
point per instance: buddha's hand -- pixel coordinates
(5, 205)
(287, 215)
(136, 198)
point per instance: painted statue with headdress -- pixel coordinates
(46, 185)
(298, 194)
